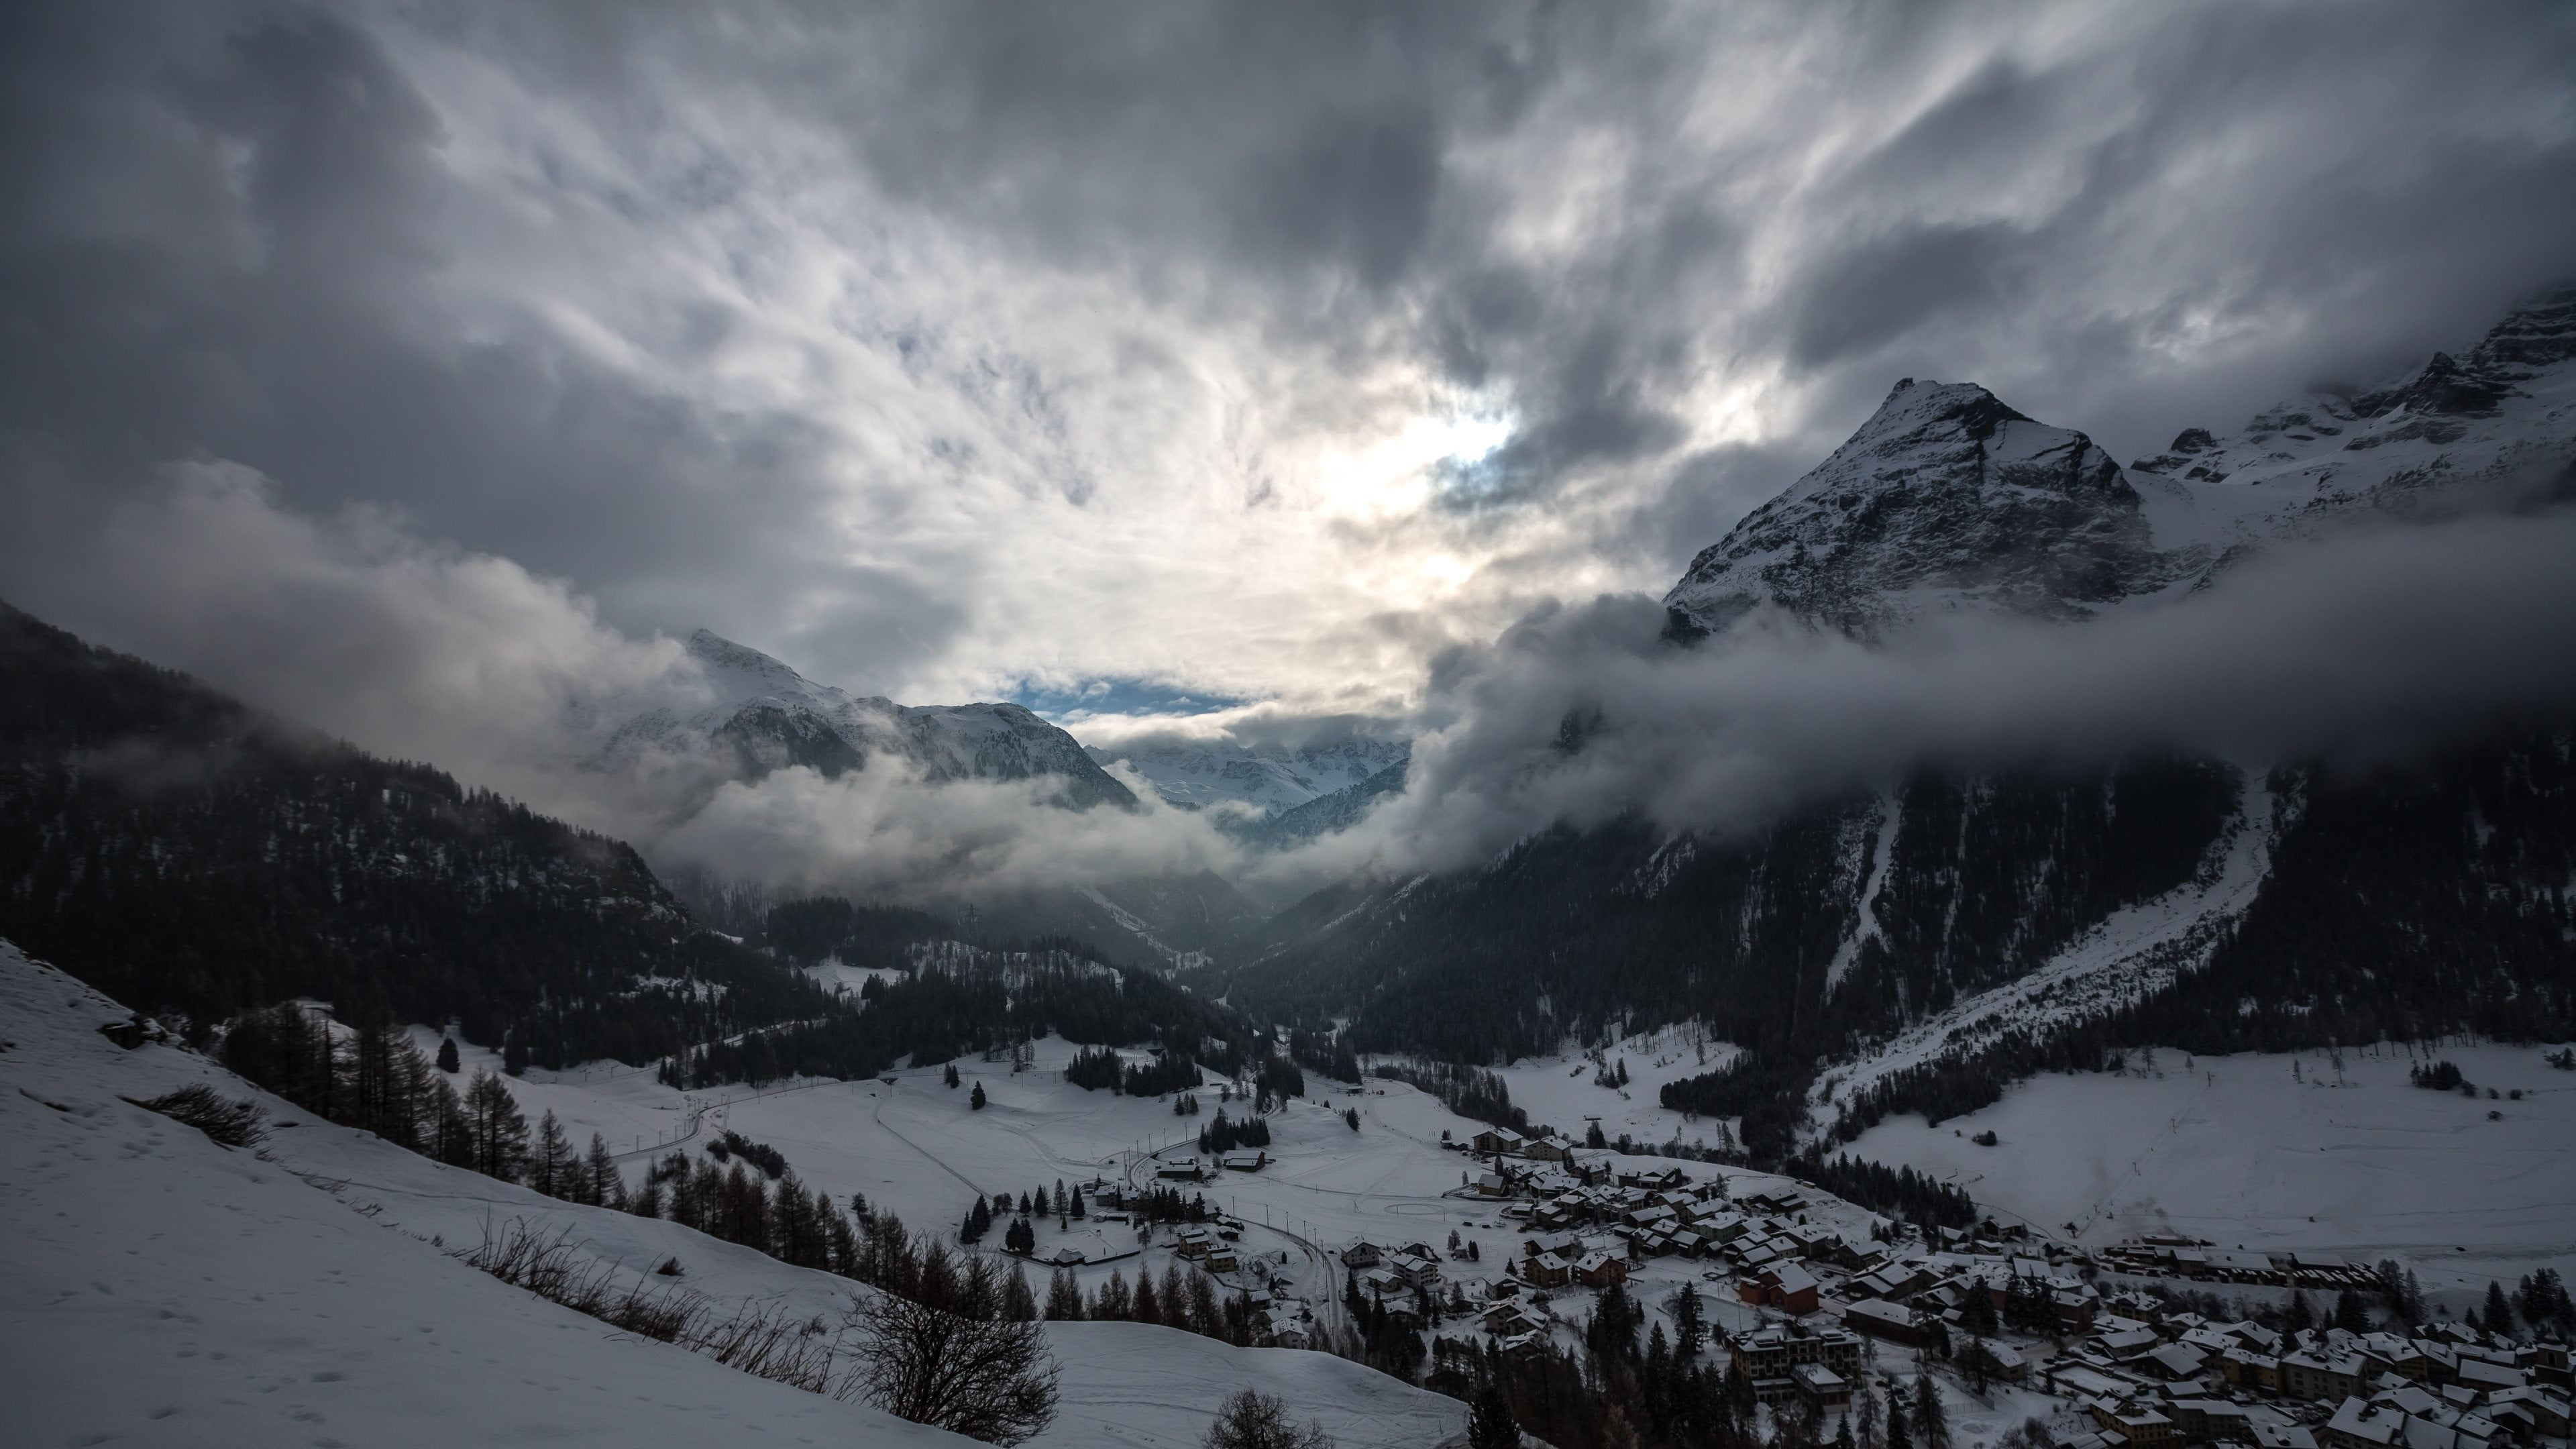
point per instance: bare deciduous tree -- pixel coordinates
(1249, 1419)
(989, 1379)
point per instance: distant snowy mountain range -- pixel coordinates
(1272, 779)
(765, 716)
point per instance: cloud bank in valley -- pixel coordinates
(2361, 649)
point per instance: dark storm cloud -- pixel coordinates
(587, 290)
(234, 247)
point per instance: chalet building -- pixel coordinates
(2322, 1375)
(2172, 1362)
(1769, 1358)
(1361, 1254)
(2210, 1421)
(1821, 1387)
(1247, 1162)
(1546, 1270)
(1495, 1141)
(2268, 1434)
(1891, 1282)
(2137, 1428)
(1787, 1287)
(1181, 1169)
(2253, 1372)
(1600, 1270)
(1416, 1270)
(1883, 1320)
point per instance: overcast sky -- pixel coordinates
(1143, 353)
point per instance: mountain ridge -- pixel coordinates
(765, 717)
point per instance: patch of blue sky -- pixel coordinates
(1117, 696)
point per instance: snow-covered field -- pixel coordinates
(158, 1289)
(2360, 1164)
(1559, 1090)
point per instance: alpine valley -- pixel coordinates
(1470, 1133)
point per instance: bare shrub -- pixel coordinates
(234, 1124)
(759, 1339)
(987, 1378)
(1249, 1419)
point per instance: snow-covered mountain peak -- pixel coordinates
(739, 673)
(1945, 498)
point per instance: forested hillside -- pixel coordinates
(2402, 904)
(178, 849)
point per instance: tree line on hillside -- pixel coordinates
(186, 854)
(965, 1001)
(1468, 1091)
(373, 1077)
(1897, 1191)
(1594, 934)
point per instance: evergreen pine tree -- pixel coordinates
(1113, 1303)
(1931, 1420)
(2499, 1314)
(602, 1185)
(1064, 1298)
(448, 1061)
(550, 1166)
(1019, 1305)
(975, 1099)
(1977, 1312)
(1898, 1435)
(2301, 1314)
(2349, 1313)
(495, 1127)
(1490, 1424)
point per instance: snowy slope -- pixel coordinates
(2354, 1162)
(763, 715)
(1271, 779)
(158, 1289)
(2128, 954)
(155, 1288)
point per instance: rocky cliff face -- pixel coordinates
(1945, 499)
